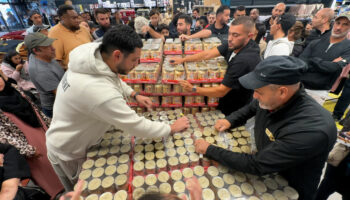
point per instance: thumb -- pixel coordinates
(222, 128)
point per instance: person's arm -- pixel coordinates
(307, 52)
(9, 189)
(280, 49)
(154, 33)
(11, 73)
(59, 49)
(219, 91)
(205, 33)
(204, 55)
(3, 75)
(284, 153)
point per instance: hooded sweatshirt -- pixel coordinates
(90, 99)
(278, 47)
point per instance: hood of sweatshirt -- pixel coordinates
(88, 60)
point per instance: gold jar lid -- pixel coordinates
(85, 174)
(187, 172)
(161, 163)
(121, 195)
(88, 164)
(107, 182)
(139, 166)
(92, 197)
(112, 160)
(163, 177)
(160, 154)
(199, 170)
(149, 156)
(165, 188)
(100, 162)
(98, 172)
(94, 184)
(121, 179)
(179, 187)
(208, 194)
(150, 164)
(123, 158)
(203, 181)
(218, 182)
(138, 181)
(151, 179)
(176, 175)
(138, 192)
(122, 169)
(173, 161)
(110, 170)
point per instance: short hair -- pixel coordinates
(247, 22)
(211, 13)
(153, 12)
(186, 17)
(100, 11)
(298, 29)
(63, 9)
(163, 26)
(196, 9)
(240, 8)
(121, 37)
(221, 9)
(257, 10)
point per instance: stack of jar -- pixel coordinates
(144, 72)
(209, 43)
(173, 46)
(193, 46)
(204, 71)
(152, 50)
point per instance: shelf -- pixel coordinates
(139, 81)
(169, 94)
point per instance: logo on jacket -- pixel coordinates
(270, 135)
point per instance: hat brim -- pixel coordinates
(342, 16)
(46, 42)
(249, 81)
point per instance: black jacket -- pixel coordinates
(244, 62)
(316, 34)
(322, 71)
(303, 132)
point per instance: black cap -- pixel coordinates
(287, 21)
(38, 28)
(279, 70)
(33, 12)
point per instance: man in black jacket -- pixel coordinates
(326, 57)
(293, 133)
(241, 54)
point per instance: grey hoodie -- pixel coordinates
(90, 99)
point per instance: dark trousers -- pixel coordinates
(343, 101)
(336, 179)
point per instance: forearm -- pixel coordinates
(211, 92)
(204, 55)
(9, 189)
(154, 33)
(14, 74)
(201, 34)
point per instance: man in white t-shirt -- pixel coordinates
(280, 45)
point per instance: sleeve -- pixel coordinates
(223, 48)
(126, 88)
(47, 81)
(239, 117)
(307, 52)
(57, 44)
(15, 165)
(236, 70)
(26, 67)
(281, 49)
(284, 153)
(115, 111)
(14, 74)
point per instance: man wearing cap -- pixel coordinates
(43, 29)
(36, 19)
(326, 58)
(44, 70)
(293, 133)
(280, 45)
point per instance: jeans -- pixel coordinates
(343, 101)
(47, 112)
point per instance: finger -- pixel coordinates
(222, 128)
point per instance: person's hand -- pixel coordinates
(145, 29)
(222, 125)
(75, 195)
(19, 67)
(180, 124)
(1, 160)
(144, 101)
(186, 86)
(176, 61)
(201, 146)
(338, 59)
(194, 188)
(184, 37)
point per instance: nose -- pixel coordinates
(255, 95)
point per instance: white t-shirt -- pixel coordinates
(278, 47)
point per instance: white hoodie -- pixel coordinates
(89, 99)
(279, 47)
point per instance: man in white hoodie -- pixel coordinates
(280, 45)
(91, 98)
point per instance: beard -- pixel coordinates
(236, 47)
(340, 35)
(265, 106)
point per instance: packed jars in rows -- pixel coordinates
(185, 110)
(193, 45)
(151, 52)
(173, 72)
(168, 100)
(144, 71)
(203, 71)
(209, 43)
(172, 46)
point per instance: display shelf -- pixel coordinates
(151, 60)
(206, 81)
(172, 52)
(140, 81)
(192, 52)
(169, 94)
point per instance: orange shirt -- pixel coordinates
(67, 40)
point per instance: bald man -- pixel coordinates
(278, 10)
(254, 14)
(322, 24)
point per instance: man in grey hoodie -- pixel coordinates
(91, 98)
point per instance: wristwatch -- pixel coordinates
(194, 89)
(136, 93)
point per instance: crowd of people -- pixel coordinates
(68, 94)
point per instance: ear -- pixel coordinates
(283, 92)
(117, 55)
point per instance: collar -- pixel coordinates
(67, 30)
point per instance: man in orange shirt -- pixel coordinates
(68, 34)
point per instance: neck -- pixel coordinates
(188, 32)
(238, 50)
(278, 35)
(155, 25)
(324, 28)
(43, 59)
(107, 60)
(218, 25)
(336, 39)
(63, 24)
